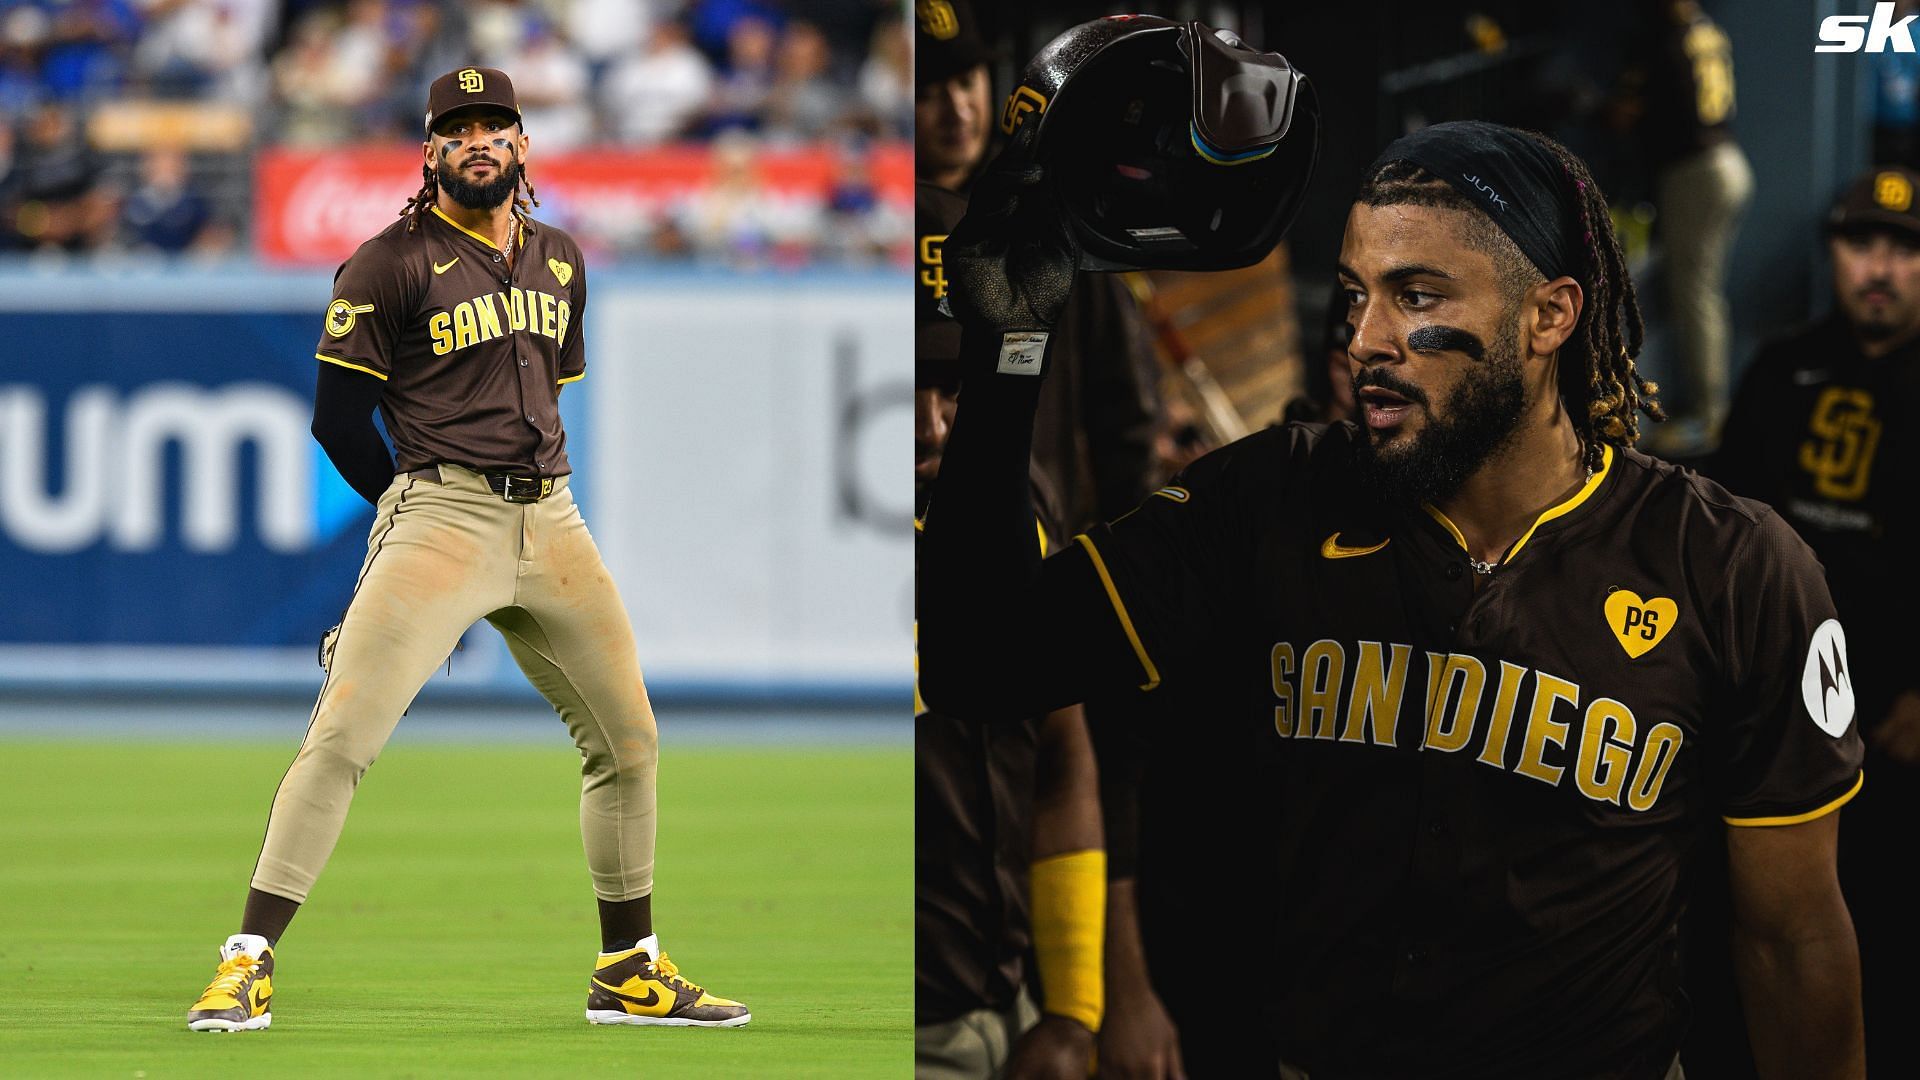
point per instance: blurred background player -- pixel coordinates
(1678, 106)
(1008, 859)
(1816, 431)
(1095, 445)
(1326, 386)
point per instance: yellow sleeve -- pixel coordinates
(1069, 927)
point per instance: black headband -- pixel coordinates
(1512, 178)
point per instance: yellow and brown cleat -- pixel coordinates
(635, 987)
(241, 992)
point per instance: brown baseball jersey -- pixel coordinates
(1813, 433)
(1486, 800)
(473, 351)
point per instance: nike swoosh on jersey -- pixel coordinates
(441, 268)
(1809, 376)
(652, 998)
(1331, 548)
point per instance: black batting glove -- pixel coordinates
(1010, 262)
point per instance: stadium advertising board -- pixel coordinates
(313, 208)
(170, 521)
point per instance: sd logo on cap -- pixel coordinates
(470, 87)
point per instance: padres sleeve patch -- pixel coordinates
(341, 315)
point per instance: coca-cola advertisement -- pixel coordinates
(728, 202)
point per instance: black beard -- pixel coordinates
(1478, 417)
(1875, 331)
(480, 196)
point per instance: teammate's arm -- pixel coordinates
(983, 591)
(343, 404)
(1794, 951)
(1068, 876)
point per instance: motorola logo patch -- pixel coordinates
(1826, 684)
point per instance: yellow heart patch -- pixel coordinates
(563, 271)
(1639, 624)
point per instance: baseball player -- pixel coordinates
(461, 322)
(1816, 432)
(1511, 669)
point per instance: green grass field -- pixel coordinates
(454, 929)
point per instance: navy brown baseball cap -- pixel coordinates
(946, 41)
(936, 336)
(1882, 198)
(467, 87)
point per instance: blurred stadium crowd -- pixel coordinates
(141, 125)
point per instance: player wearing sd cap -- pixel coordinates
(1512, 669)
(1817, 431)
(461, 322)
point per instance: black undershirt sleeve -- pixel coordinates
(343, 404)
(1003, 634)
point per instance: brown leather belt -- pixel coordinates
(514, 489)
(520, 489)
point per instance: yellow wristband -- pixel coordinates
(1069, 924)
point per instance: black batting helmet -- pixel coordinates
(1173, 146)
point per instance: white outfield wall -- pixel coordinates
(750, 480)
(740, 445)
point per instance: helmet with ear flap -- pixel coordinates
(1171, 145)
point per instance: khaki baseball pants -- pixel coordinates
(443, 554)
(1701, 200)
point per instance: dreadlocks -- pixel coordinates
(429, 193)
(1602, 390)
